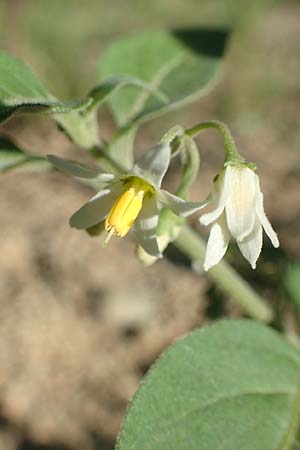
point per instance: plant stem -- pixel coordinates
(231, 152)
(225, 276)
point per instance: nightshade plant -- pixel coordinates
(233, 385)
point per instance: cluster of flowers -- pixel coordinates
(134, 200)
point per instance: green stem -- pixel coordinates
(175, 132)
(225, 276)
(106, 161)
(190, 160)
(231, 152)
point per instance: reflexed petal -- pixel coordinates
(79, 170)
(241, 201)
(145, 227)
(153, 165)
(96, 209)
(178, 205)
(219, 199)
(251, 246)
(265, 221)
(217, 244)
(72, 167)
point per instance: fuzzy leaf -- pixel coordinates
(230, 386)
(22, 92)
(182, 64)
(100, 92)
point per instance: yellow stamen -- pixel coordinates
(125, 210)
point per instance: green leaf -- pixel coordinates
(292, 283)
(100, 92)
(84, 127)
(230, 386)
(182, 64)
(22, 92)
(12, 157)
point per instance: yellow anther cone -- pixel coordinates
(124, 212)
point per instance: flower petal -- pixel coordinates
(145, 227)
(265, 221)
(251, 246)
(96, 209)
(79, 170)
(219, 198)
(241, 201)
(178, 205)
(153, 165)
(217, 244)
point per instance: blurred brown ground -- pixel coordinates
(80, 325)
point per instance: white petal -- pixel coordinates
(178, 205)
(217, 244)
(251, 246)
(96, 209)
(145, 227)
(265, 221)
(219, 198)
(153, 164)
(72, 167)
(81, 171)
(241, 201)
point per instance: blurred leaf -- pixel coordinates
(100, 92)
(12, 157)
(182, 64)
(121, 148)
(231, 386)
(292, 283)
(22, 92)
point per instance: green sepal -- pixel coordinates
(169, 224)
(168, 228)
(96, 230)
(190, 160)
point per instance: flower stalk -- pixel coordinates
(232, 155)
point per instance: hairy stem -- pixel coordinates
(225, 276)
(231, 152)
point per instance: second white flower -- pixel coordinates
(239, 213)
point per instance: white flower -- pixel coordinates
(239, 212)
(133, 199)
